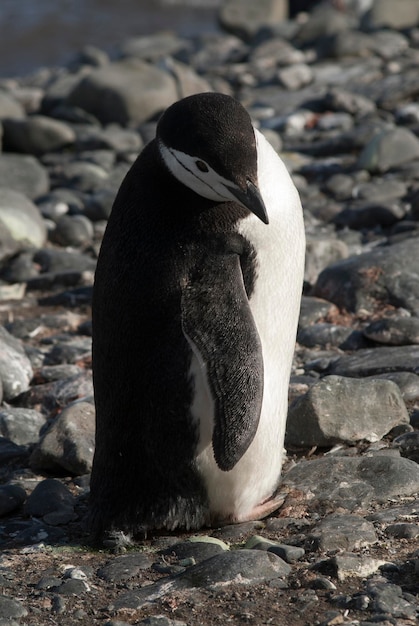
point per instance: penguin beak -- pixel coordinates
(252, 200)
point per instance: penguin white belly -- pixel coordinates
(275, 304)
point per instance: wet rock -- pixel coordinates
(15, 368)
(69, 442)
(22, 426)
(21, 218)
(129, 91)
(24, 174)
(37, 135)
(339, 409)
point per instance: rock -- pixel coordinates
(10, 108)
(37, 135)
(124, 567)
(388, 599)
(129, 91)
(295, 76)
(387, 274)
(290, 554)
(408, 444)
(15, 368)
(11, 498)
(370, 362)
(69, 442)
(342, 532)
(196, 550)
(320, 253)
(52, 501)
(407, 382)
(154, 47)
(395, 331)
(362, 215)
(22, 426)
(323, 335)
(389, 149)
(338, 409)
(24, 174)
(403, 530)
(21, 218)
(353, 565)
(382, 14)
(354, 482)
(11, 608)
(76, 230)
(245, 18)
(314, 309)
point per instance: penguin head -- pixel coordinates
(208, 143)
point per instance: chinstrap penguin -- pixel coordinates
(195, 309)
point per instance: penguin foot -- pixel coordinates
(265, 508)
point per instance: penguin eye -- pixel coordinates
(203, 167)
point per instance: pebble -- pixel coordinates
(334, 89)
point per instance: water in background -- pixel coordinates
(36, 33)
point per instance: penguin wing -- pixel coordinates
(218, 322)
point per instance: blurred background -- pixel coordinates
(50, 32)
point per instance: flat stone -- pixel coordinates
(124, 567)
(69, 441)
(351, 482)
(339, 409)
(369, 362)
(342, 532)
(323, 335)
(395, 331)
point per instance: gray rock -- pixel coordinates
(408, 444)
(57, 261)
(10, 108)
(113, 137)
(69, 441)
(154, 47)
(315, 309)
(290, 554)
(382, 14)
(323, 335)
(80, 175)
(22, 426)
(245, 18)
(37, 135)
(11, 497)
(388, 599)
(338, 480)
(239, 566)
(124, 567)
(295, 76)
(353, 565)
(22, 218)
(15, 368)
(338, 409)
(380, 190)
(355, 104)
(342, 532)
(389, 149)
(387, 274)
(74, 230)
(52, 501)
(407, 382)
(129, 91)
(196, 550)
(369, 362)
(11, 608)
(361, 215)
(395, 331)
(24, 173)
(403, 530)
(321, 253)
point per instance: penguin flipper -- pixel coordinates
(219, 325)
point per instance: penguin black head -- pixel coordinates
(208, 143)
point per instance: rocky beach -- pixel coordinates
(335, 90)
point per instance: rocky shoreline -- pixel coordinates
(335, 92)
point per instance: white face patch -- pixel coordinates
(196, 174)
